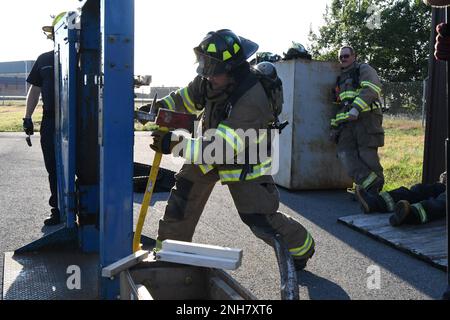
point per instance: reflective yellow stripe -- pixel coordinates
(362, 104)
(236, 48)
(369, 180)
(226, 55)
(196, 149)
(205, 168)
(300, 251)
(340, 117)
(169, 102)
(422, 213)
(211, 48)
(372, 86)
(343, 115)
(158, 245)
(388, 199)
(231, 137)
(348, 95)
(188, 104)
(261, 137)
(258, 171)
(192, 150)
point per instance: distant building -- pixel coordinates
(13, 77)
(162, 91)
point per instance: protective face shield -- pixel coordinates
(207, 65)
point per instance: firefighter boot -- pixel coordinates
(53, 219)
(300, 264)
(404, 213)
(370, 202)
(301, 261)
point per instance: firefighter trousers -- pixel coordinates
(256, 201)
(357, 150)
(432, 197)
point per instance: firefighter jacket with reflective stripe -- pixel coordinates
(225, 125)
(357, 87)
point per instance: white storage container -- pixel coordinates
(307, 157)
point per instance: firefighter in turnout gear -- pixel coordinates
(229, 99)
(357, 127)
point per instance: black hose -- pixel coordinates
(288, 274)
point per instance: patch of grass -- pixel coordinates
(11, 114)
(402, 155)
(148, 127)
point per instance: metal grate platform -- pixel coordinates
(44, 275)
(426, 242)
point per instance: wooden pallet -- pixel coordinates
(426, 242)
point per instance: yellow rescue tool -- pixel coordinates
(166, 120)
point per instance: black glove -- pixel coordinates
(28, 126)
(162, 141)
(145, 108)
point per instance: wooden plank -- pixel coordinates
(426, 242)
(198, 260)
(124, 263)
(202, 249)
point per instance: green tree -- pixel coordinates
(393, 36)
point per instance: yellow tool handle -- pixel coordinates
(146, 201)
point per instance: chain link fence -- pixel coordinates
(404, 98)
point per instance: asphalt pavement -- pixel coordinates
(343, 266)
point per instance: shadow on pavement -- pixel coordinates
(324, 207)
(320, 288)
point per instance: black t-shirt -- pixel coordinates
(42, 75)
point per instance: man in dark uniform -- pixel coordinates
(41, 80)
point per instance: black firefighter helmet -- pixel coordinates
(222, 51)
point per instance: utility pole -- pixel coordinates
(446, 295)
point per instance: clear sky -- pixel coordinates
(167, 30)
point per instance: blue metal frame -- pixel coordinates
(95, 134)
(116, 136)
(88, 179)
(65, 117)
